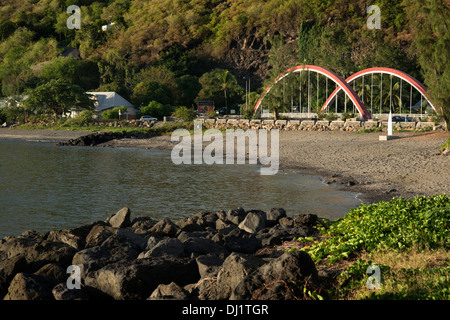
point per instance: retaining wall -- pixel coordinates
(314, 125)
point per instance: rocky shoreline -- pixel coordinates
(237, 255)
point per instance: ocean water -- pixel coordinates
(45, 187)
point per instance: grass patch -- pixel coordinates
(407, 239)
(413, 274)
(446, 144)
(166, 128)
(369, 130)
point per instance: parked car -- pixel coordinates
(148, 118)
(398, 119)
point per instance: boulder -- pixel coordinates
(198, 246)
(277, 234)
(165, 228)
(98, 234)
(253, 222)
(109, 252)
(38, 252)
(236, 216)
(101, 232)
(234, 269)
(171, 291)
(151, 242)
(222, 224)
(309, 220)
(209, 265)
(67, 237)
(121, 219)
(286, 222)
(26, 286)
(54, 271)
(61, 292)
(291, 267)
(142, 225)
(129, 237)
(237, 240)
(139, 278)
(169, 247)
(274, 215)
(189, 225)
(75, 237)
(8, 269)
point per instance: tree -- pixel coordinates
(184, 114)
(431, 28)
(83, 73)
(147, 91)
(187, 89)
(157, 110)
(57, 98)
(274, 100)
(178, 60)
(220, 86)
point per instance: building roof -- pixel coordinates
(107, 100)
(70, 52)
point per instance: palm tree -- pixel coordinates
(225, 83)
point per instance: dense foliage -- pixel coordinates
(396, 224)
(171, 50)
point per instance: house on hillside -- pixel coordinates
(110, 100)
(68, 52)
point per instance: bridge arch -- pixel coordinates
(342, 84)
(393, 72)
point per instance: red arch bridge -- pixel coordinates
(370, 91)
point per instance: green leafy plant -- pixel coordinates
(397, 224)
(84, 118)
(331, 116)
(446, 144)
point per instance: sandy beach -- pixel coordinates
(40, 134)
(407, 166)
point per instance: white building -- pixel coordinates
(110, 100)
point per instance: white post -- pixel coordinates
(390, 124)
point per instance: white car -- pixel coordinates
(148, 118)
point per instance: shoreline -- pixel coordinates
(407, 166)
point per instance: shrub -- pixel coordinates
(212, 114)
(184, 114)
(157, 110)
(347, 115)
(84, 118)
(113, 113)
(331, 116)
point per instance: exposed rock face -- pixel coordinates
(208, 255)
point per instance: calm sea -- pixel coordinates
(44, 187)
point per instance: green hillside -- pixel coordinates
(169, 50)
